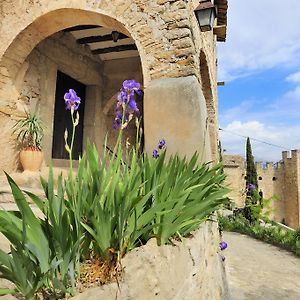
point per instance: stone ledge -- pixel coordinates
(192, 269)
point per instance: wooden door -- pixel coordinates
(62, 118)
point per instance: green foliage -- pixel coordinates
(108, 209)
(44, 252)
(30, 131)
(269, 232)
(185, 196)
(113, 192)
(253, 202)
(251, 173)
(252, 209)
(145, 198)
(28, 262)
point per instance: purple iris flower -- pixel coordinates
(72, 100)
(126, 101)
(122, 97)
(118, 120)
(223, 245)
(251, 186)
(132, 105)
(155, 153)
(131, 85)
(161, 143)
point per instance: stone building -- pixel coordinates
(279, 181)
(50, 46)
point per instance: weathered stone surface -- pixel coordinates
(156, 15)
(191, 270)
(175, 110)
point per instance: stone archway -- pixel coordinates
(12, 60)
(207, 88)
(37, 73)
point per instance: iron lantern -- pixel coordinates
(206, 14)
(115, 35)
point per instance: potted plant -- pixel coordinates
(30, 131)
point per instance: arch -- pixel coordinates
(12, 61)
(167, 48)
(17, 60)
(207, 89)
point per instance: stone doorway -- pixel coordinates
(62, 118)
(81, 58)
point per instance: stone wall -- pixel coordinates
(234, 167)
(279, 182)
(271, 183)
(167, 35)
(291, 186)
(192, 269)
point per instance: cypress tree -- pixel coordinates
(251, 174)
(220, 151)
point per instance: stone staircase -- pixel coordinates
(28, 181)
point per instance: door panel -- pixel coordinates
(62, 118)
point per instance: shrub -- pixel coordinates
(270, 232)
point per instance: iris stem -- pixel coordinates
(117, 146)
(72, 143)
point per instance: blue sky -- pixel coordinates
(260, 63)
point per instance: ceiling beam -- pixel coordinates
(115, 49)
(81, 27)
(100, 38)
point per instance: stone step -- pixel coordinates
(29, 179)
(6, 195)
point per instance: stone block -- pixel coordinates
(175, 110)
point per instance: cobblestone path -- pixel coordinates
(257, 270)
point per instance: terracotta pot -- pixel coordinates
(31, 160)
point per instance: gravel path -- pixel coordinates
(257, 270)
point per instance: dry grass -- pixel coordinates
(95, 272)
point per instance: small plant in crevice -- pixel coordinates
(109, 206)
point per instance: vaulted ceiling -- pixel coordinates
(104, 42)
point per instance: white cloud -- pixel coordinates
(286, 108)
(233, 139)
(235, 112)
(261, 35)
(294, 78)
(280, 111)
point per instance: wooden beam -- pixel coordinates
(100, 38)
(81, 27)
(220, 32)
(115, 49)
